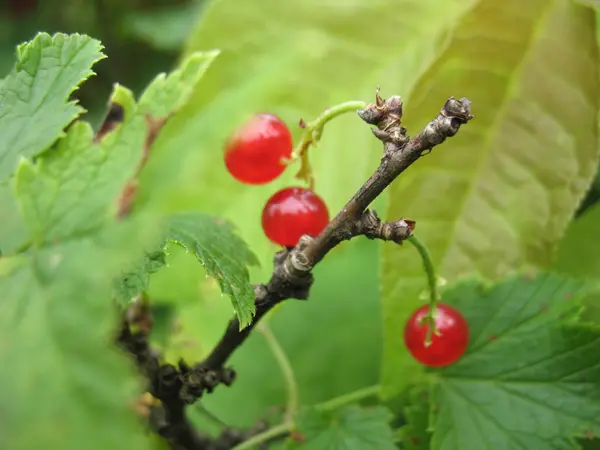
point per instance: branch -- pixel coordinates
(292, 277)
(175, 388)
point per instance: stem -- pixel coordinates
(333, 112)
(432, 282)
(213, 418)
(350, 397)
(312, 134)
(287, 426)
(271, 433)
(286, 370)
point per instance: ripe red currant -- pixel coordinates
(293, 212)
(255, 152)
(443, 350)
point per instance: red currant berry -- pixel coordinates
(255, 152)
(293, 212)
(443, 350)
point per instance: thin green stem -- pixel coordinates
(287, 426)
(213, 418)
(286, 370)
(272, 433)
(432, 282)
(350, 397)
(312, 134)
(333, 112)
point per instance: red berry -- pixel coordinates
(293, 212)
(255, 152)
(443, 350)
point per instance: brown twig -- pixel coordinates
(292, 277)
(175, 388)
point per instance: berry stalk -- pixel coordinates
(288, 426)
(432, 283)
(312, 134)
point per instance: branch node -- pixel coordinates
(383, 113)
(396, 231)
(299, 262)
(260, 291)
(371, 226)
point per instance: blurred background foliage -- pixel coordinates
(143, 37)
(495, 199)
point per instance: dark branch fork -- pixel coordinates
(292, 274)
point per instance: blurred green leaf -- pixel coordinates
(223, 255)
(166, 28)
(349, 428)
(591, 3)
(58, 321)
(416, 434)
(34, 95)
(167, 93)
(529, 378)
(74, 388)
(137, 278)
(578, 253)
(47, 70)
(498, 195)
(13, 231)
(50, 190)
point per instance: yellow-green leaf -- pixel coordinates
(499, 195)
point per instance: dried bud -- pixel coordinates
(227, 376)
(371, 114)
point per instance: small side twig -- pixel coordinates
(173, 387)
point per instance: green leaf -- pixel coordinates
(530, 376)
(60, 375)
(491, 199)
(57, 319)
(350, 428)
(74, 189)
(222, 253)
(51, 191)
(578, 253)
(13, 231)
(34, 106)
(137, 278)
(415, 434)
(168, 93)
